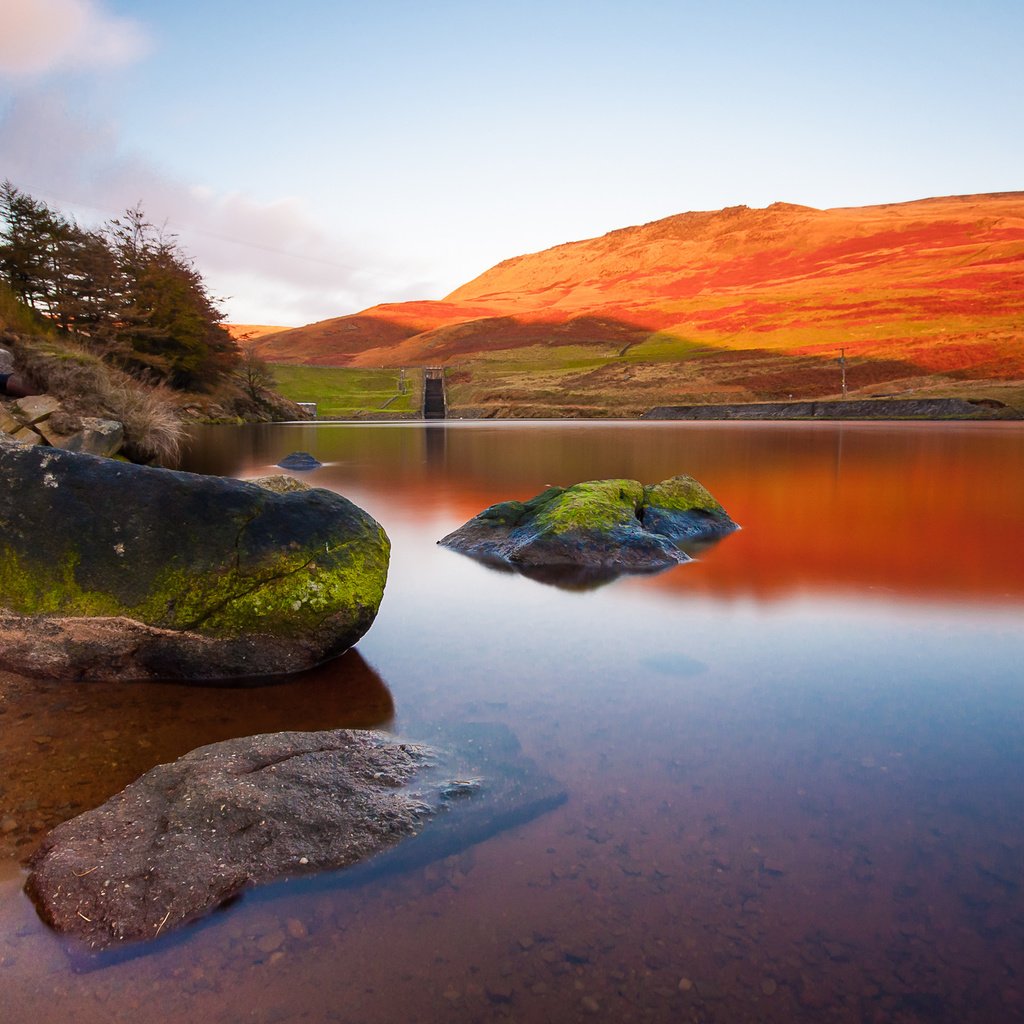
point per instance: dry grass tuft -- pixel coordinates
(153, 428)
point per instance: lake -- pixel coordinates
(794, 766)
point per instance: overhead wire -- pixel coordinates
(45, 194)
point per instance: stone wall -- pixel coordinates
(850, 409)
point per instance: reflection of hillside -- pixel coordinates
(731, 305)
(899, 496)
(920, 506)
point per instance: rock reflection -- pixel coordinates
(67, 748)
(585, 578)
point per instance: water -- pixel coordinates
(794, 766)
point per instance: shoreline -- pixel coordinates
(891, 409)
(951, 410)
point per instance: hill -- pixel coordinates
(740, 304)
(244, 333)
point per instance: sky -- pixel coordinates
(317, 157)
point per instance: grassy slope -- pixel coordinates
(735, 305)
(345, 393)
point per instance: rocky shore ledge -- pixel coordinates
(42, 419)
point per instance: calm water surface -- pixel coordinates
(795, 766)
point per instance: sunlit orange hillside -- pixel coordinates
(244, 334)
(733, 305)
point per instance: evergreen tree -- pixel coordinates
(129, 292)
(24, 245)
(168, 317)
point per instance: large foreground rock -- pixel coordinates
(188, 836)
(605, 527)
(115, 571)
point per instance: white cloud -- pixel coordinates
(270, 260)
(40, 36)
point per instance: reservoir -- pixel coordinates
(794, 767)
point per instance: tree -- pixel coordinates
(129, 291)
(254, 374)
(28, 228)
(167, 315)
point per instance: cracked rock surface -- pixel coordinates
(115, 571)
(189, 836)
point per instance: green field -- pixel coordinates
(342, 393)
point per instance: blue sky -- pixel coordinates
(317, 158)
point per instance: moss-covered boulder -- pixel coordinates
(109, 570)
(605, 527)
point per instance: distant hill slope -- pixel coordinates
(731, 305)
(245, 333)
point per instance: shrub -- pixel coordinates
(153, 428)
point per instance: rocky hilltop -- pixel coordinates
(732, 305)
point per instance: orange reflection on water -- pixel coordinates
(920, 510)
(928, 527)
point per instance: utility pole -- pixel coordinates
(842, 368)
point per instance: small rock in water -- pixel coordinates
(300, 460)
(499, 992)
(271, 941)
(280, 483)
(459, 788)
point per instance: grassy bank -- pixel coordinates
(345, 393)
(153, 415)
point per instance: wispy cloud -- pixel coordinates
(269, 260)
(41, 36)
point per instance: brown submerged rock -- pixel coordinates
(188, 836)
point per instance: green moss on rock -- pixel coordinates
(681, 494)
(88, 538)
(598, 505)
(604, 526)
